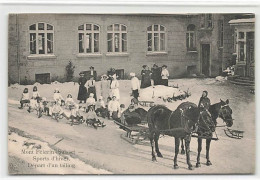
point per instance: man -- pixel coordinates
(165, 75)
(92, 73)
(135, 85)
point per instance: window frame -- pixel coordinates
(45, 32)
(92, 32)
(120, 32)
(206, 21)
(189, 32)
(221, 33)
(152, 31)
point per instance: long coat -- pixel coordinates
(146, 78)
(156, 76)
(82, 94)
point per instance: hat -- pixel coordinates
(91, 95)
(155, 65)
(144, 66)
(164, 66)
(81, 73)
(100, 97)
(91, 67)
(132, 74)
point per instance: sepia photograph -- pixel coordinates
(158, 93)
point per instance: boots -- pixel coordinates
(29, 109)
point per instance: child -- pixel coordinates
(74, 114)
(91, 118)
(56, 111)
(100, 107)
(69, 101)
(90, 101)
(91, 87)
(114, 108)
(24, 98)
(34, 100)
(57, 96)
(46, 107)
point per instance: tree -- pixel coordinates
(70, 71)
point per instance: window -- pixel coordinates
(116, 38)
(206, 21)
(221, 33)
(41, 38)
(190, 38)
(89, 35)
(156, 38)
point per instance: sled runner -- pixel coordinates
(134, 133)
(236, 134)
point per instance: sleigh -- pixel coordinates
(146, 103)
(236, 134)
(134, 133)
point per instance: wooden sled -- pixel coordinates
(146, 103)
(205, 137)
(236, 134)
(135, 133)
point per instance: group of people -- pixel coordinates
(156, 76)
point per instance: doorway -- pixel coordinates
(205, 59)
(250, 60)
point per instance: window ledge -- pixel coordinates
(206, 29)
(88, 55)
(41, 57)
(192, 51)
(117, 54)
(162, 53)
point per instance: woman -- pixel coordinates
(156, 75)
(164, 75)
(82, 94)
(114, 86)
(105, 85)
(91, 86)
(146, 77)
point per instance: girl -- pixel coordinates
(25, 98)
(114, 108)
(34, 100)
(69, 101)
(105, 87)
(100, 107)
(91, 118)
(90, 101)
(114, 86)
(91, 87)
(58, 97)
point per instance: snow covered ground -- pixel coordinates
(105, 150)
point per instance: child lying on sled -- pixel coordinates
(92, 119)
(56, 111)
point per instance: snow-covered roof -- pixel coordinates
(239, 21)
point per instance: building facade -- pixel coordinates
(41, 45)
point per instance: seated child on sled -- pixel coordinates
(114, 109)
(74, 115)
(101, 108)
(25, 98)
(90, 102)
(92, 119)
(56, 111)
(35, 100)
(58, 97)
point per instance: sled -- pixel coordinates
(205, 137)
(134, 133)
(236, 134)
(146, 103)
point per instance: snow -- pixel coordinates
(104, 148)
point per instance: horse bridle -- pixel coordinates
(221, 113)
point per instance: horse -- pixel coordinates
(178, 124)
(222, 110)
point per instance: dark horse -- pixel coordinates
(221, 110)
(178, 124)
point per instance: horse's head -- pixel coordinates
(225, 112)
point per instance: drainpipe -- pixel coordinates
(18, 48)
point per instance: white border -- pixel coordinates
(117, 6)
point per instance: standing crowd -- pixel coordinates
(106, 105)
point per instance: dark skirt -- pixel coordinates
(82, 95)
(146, 82)
(165, 82)
(92, 90)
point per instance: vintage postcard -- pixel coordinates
(131, 93)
